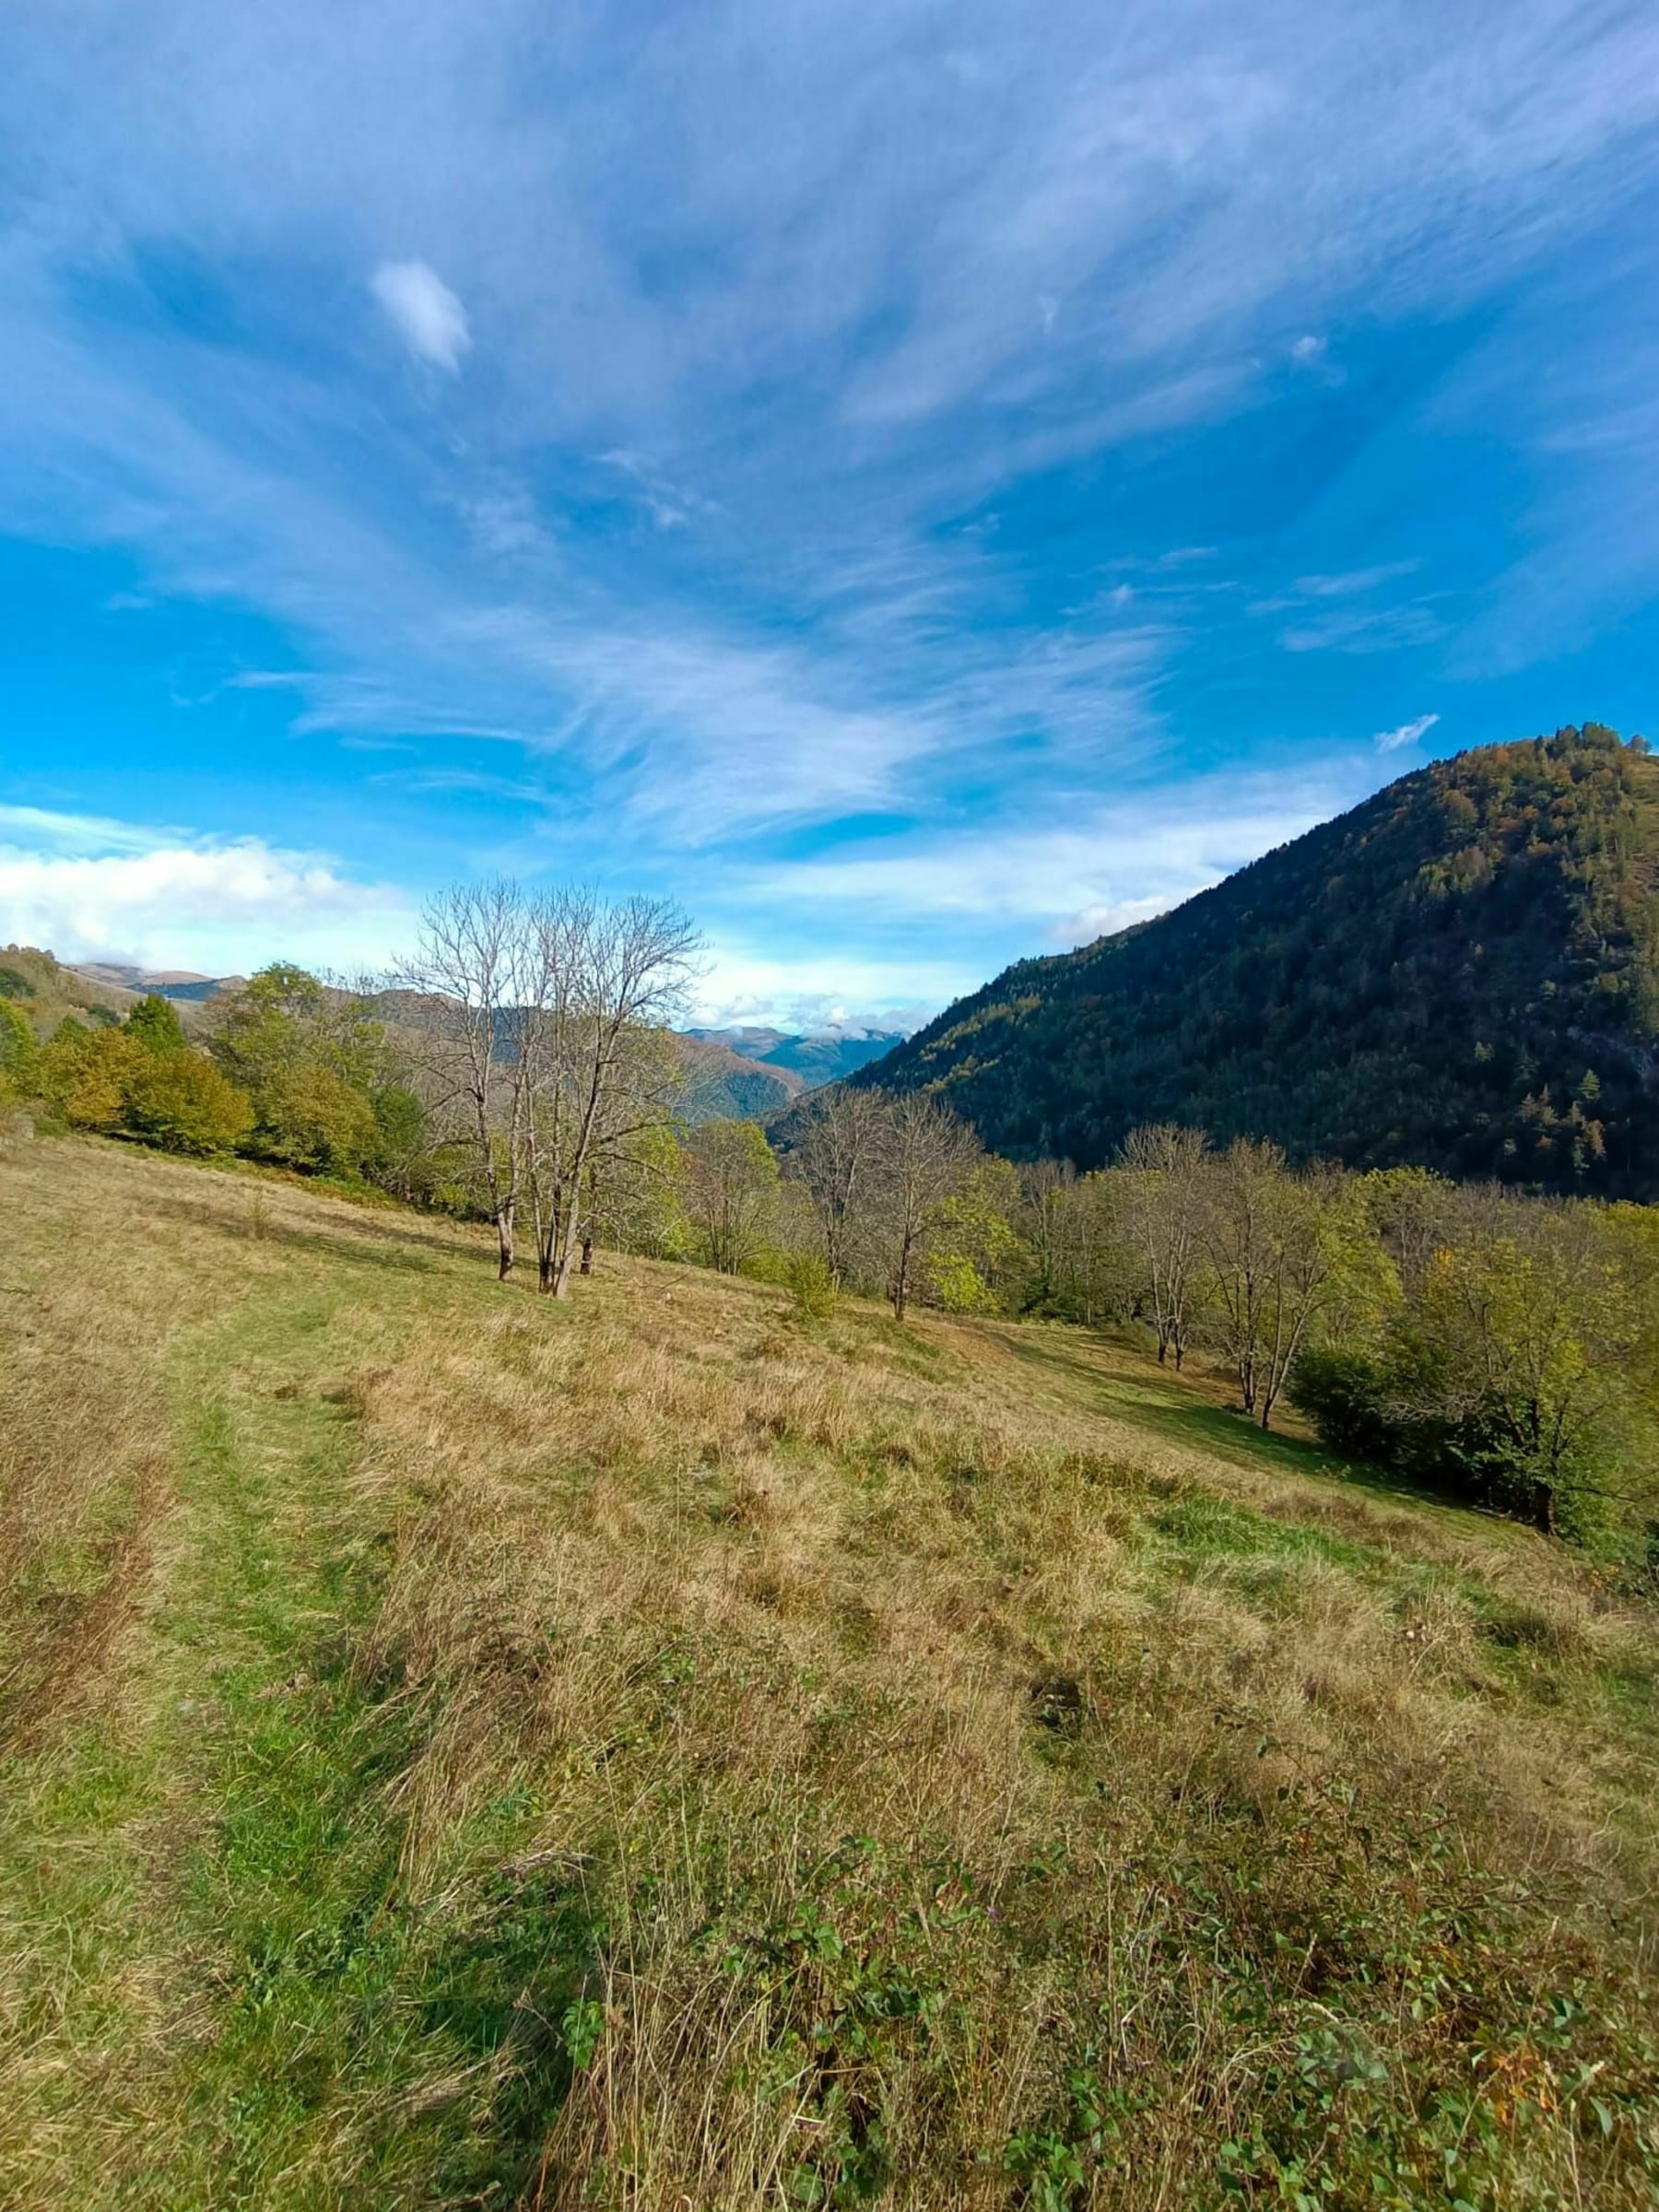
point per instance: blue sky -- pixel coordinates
(922, 483)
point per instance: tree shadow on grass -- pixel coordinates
(1176, 1412)
(361, 1245)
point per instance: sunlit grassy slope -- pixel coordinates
(457, 1752)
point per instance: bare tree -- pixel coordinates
(471, 974)
(1048, 1217)
(1161, 1195)
(732, 1191)
(1521, 1337)
(837, 1162)
(602, 1071)
(1287, 1252)
(1417, 1214)
(924, 1157)
(1090, 1259)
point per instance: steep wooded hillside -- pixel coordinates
(1462, 972)
(721, 1084)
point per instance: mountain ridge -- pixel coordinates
(757, 1068)
(1461, 972)
(815, 1056)
(720, 1081)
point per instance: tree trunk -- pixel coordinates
(900, 1293)
(567, 1260)
(587, 1255)
(504, 1241)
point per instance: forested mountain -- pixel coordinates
(1462, 972)
(820, 1056)
(723, 1082)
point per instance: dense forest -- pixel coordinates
(1462, 974)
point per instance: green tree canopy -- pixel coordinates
(85, 1074)
(733, 1184)
(154, 1023)
(181, 1103)
(312, 1060)
(20, 1053)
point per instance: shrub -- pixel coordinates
(402, 1161)
(960, 1287)
(19, 1054)
(181, 1103)
(808, 1276)
(1344, 1394)
(312, 1119)
(85, 1074)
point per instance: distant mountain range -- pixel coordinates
(1461, 973)
(817, 1057)
(747, 1073)
(177, 983)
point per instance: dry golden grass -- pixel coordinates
(661, 1753)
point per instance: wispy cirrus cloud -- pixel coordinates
(1405, 733)
(1107, 863)
(425, 312)
(756, 482)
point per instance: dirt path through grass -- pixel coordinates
(201, 1869)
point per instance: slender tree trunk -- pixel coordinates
(587, 1255)
(901, 1291)
(566, 1258)
(504, 1241)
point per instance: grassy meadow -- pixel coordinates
(457, 1750)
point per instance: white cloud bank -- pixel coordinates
(429, 317)
(87, 889)
(1109, 865)
(744, 983)
(1394, 741)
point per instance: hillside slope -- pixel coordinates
(46, 991)
(457, 1750)
(721, 1084)
(182, 985)
(1462, 972)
